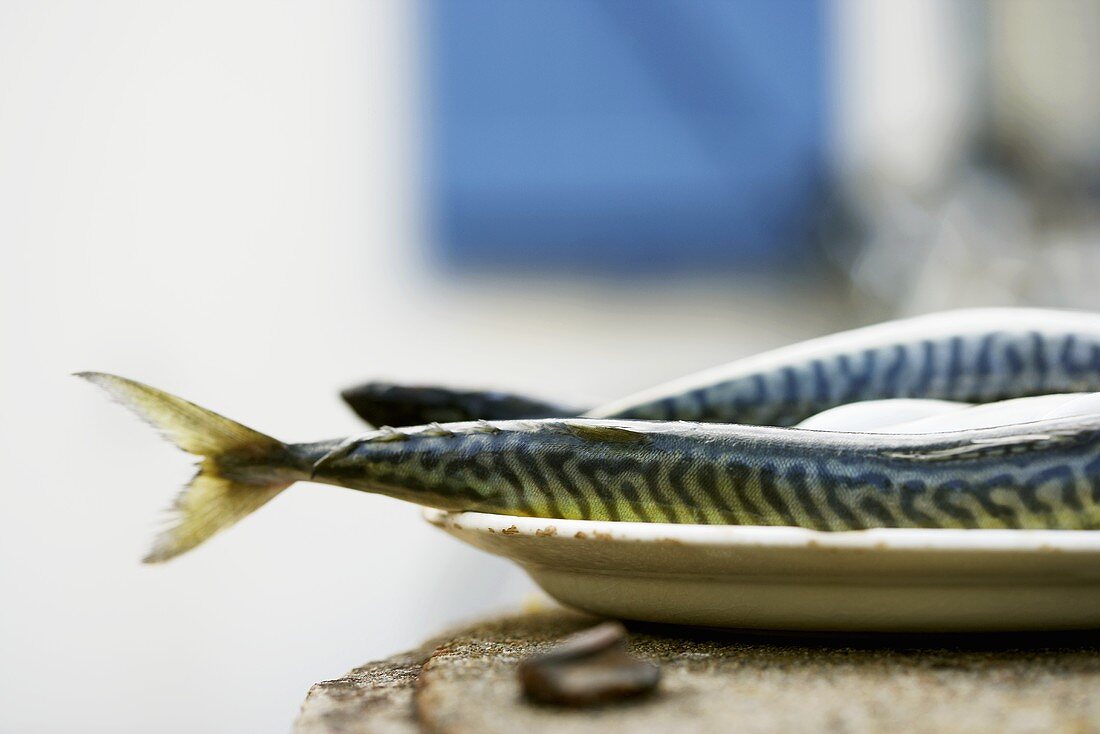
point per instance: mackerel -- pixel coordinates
(1041, 474)
(969, 356)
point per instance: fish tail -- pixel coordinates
(241, 469)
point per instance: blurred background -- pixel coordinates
(255, 204)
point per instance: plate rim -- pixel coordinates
(510, 527)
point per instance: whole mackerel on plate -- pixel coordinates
(1040, 474)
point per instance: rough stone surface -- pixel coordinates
(723, 681)
(376, 698)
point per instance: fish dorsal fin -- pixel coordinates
(386, 434)
(435, 429)
(605, 434)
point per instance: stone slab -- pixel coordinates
(465, 681)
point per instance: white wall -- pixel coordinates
(219, 198)
(906, 89)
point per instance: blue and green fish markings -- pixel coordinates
(1041, 474)
(972, 356)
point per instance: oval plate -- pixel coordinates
(786, 578)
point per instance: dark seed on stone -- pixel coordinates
(591, 667)
(586, 643)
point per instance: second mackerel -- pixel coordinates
(971, 356)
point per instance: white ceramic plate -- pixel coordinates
(797, 579)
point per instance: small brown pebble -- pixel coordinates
(591, 667)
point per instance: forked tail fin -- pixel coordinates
(241, 469)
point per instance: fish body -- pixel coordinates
(969, 356)
(1042, 474)
(990, 415)
(877, 415)
(1038, 475)
(910, 415)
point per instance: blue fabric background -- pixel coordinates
(624, 135)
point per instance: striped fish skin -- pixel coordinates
(970, 356)
(1037, 475)
(973, 356)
